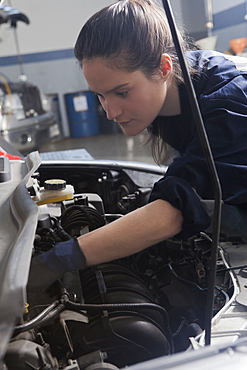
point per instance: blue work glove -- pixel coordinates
(50, 266)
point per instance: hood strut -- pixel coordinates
(211, 167)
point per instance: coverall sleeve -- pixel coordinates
(182, 196)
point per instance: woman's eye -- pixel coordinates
(123, 94)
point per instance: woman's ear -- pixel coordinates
(166, 66)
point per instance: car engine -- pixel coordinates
(116, 314)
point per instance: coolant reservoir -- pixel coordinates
(54, 190)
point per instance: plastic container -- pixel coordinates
(82, 114)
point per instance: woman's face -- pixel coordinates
(129, 98)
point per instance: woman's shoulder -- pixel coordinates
(213, 70)
(206, 60)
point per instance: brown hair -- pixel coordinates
(131, 35)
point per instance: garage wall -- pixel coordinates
(229, 21)
(46, 46)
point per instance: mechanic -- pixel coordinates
(128, 58)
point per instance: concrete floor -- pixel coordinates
(115, 146)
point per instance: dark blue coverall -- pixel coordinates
(220, 84)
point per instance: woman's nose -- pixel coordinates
(113, 110)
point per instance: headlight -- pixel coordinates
(45, 101)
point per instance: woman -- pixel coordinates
(128, 58)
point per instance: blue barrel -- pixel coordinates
(82, 113)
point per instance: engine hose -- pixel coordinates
(120, 306)
(179, 328)
(55, 221)
(62, 233)
(52, 315)
(191, 283)
(240, 267)
(86, 214)
(33, 323)
(70, 212)
(49, 233)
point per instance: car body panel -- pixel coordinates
(18, 221)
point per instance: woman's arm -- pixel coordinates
(132, 233)
(129, 234)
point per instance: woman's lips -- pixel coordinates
(123, 123)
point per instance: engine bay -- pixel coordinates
(116, 314)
